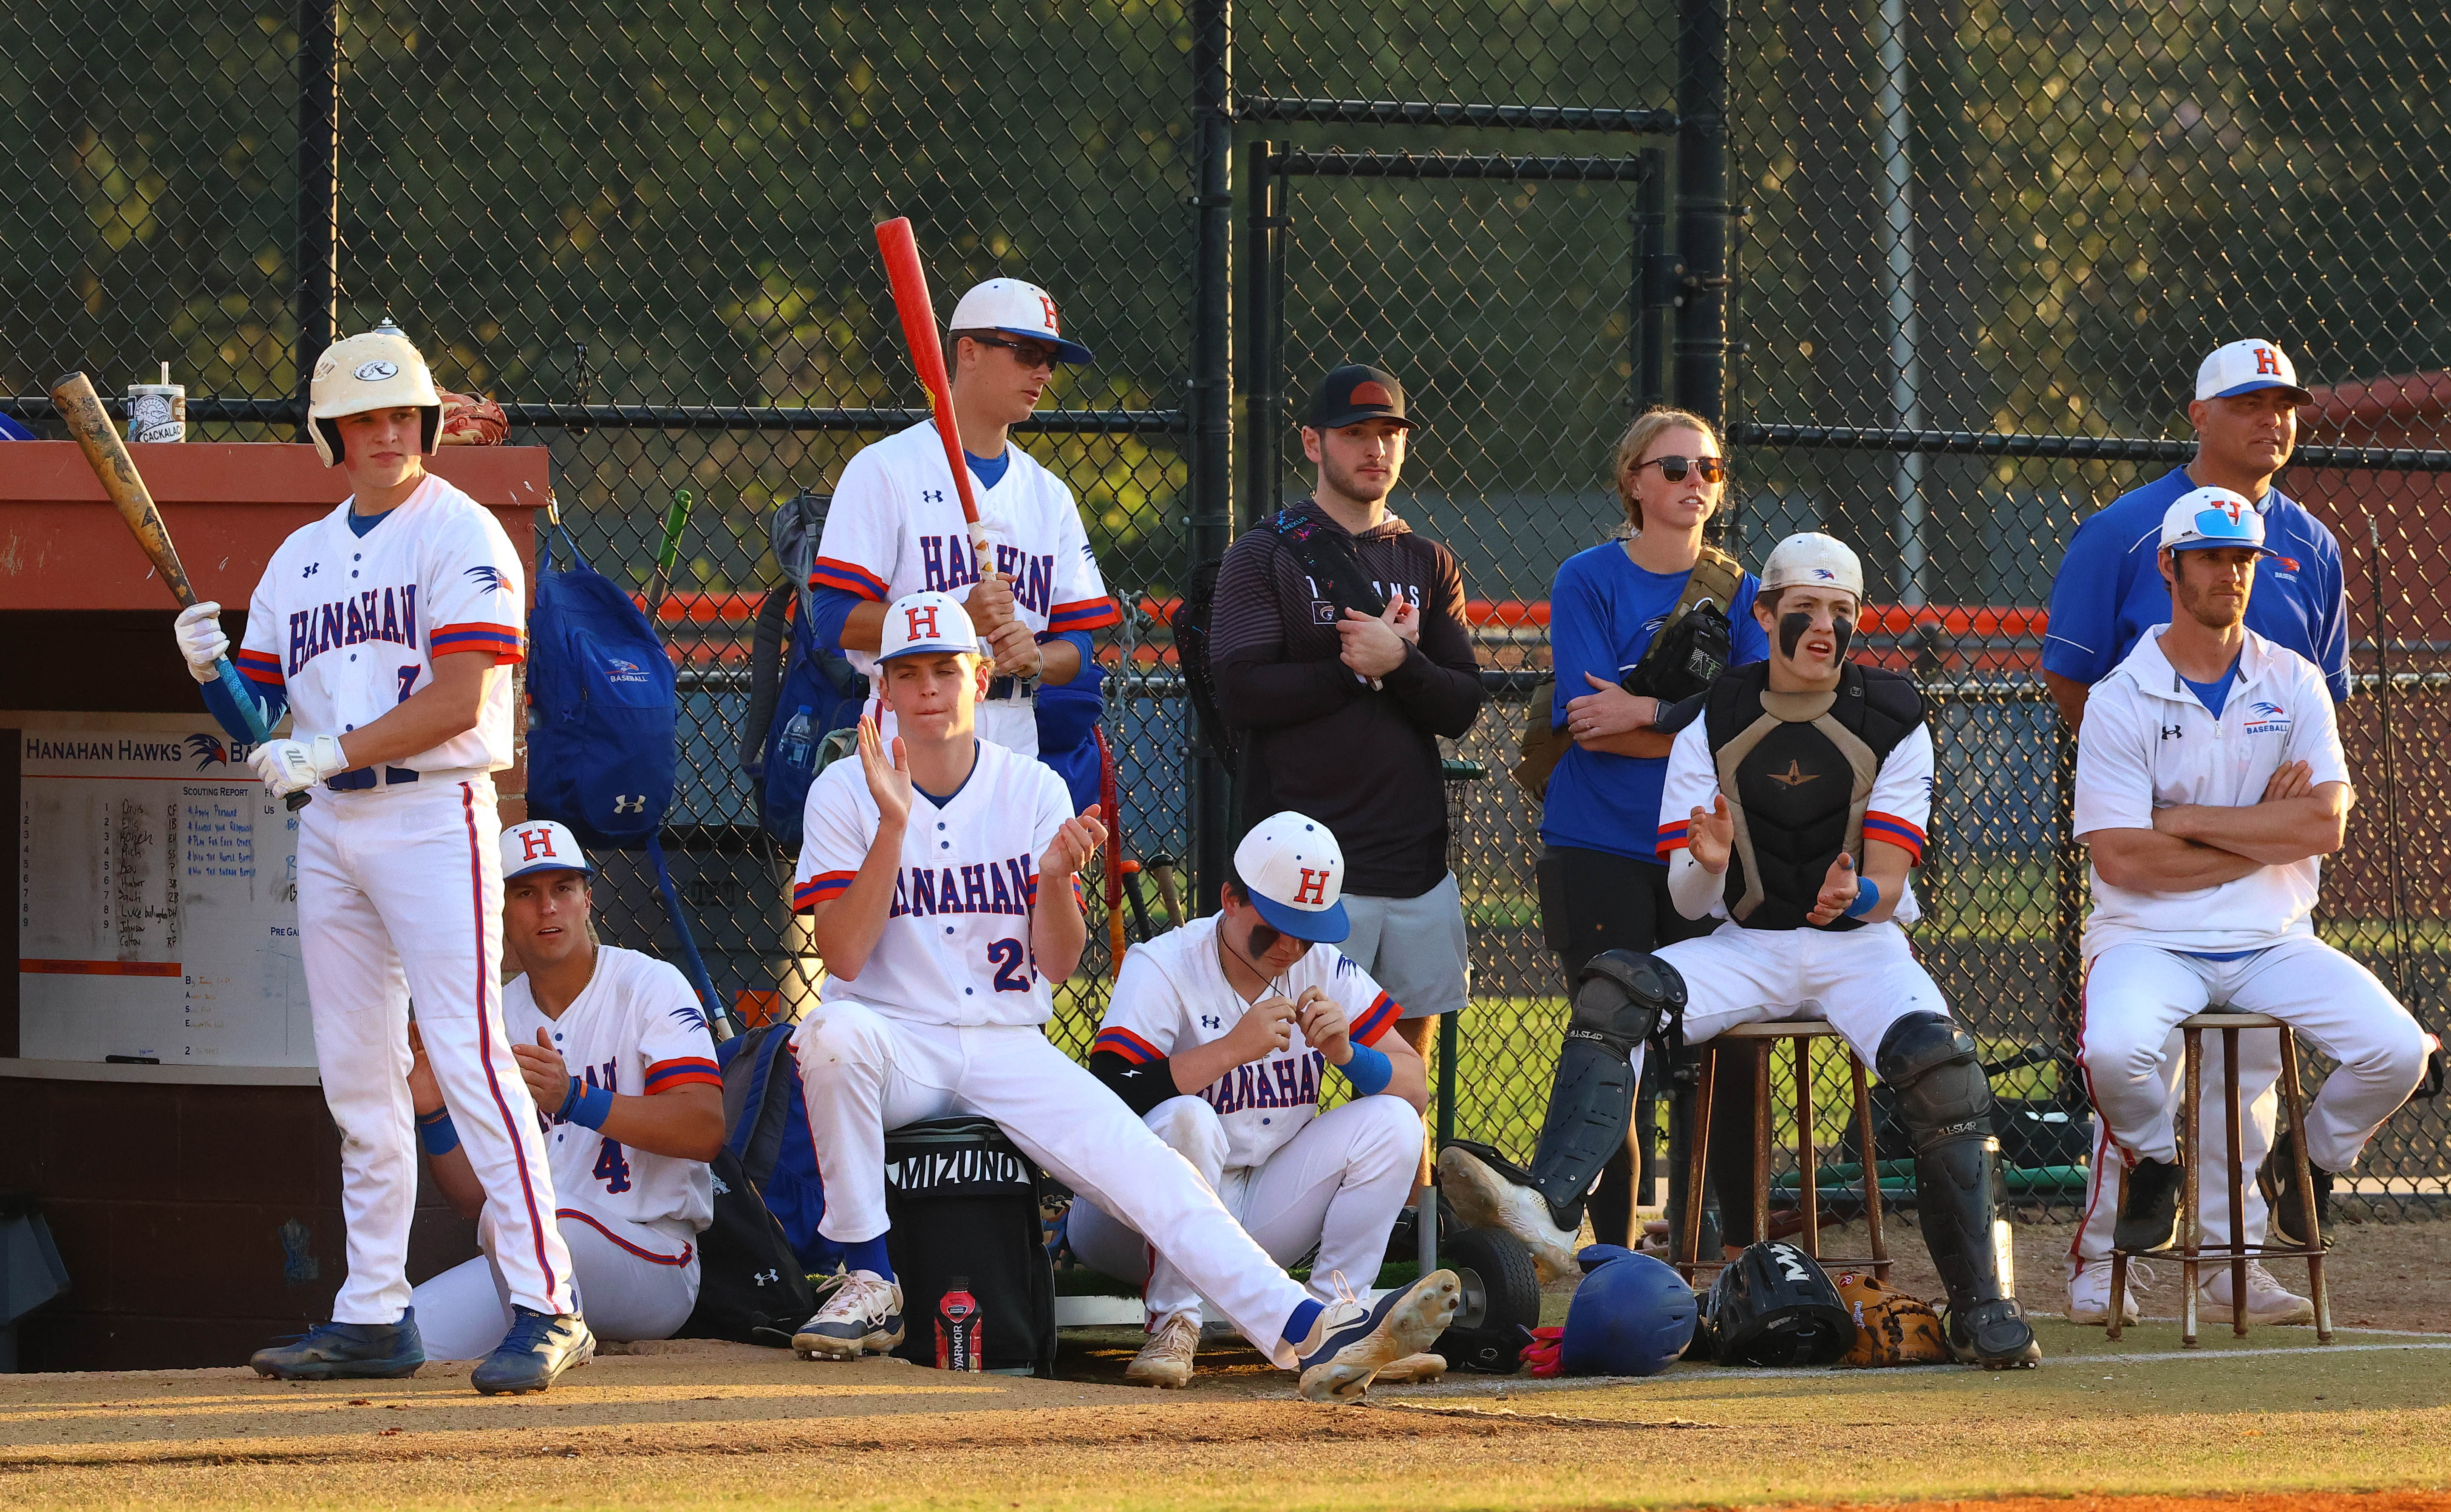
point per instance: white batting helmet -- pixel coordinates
(1811, 560)
(378, 370)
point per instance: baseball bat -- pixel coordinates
(116, 470)
(671, 554)
(911, 301)
(1115, 852)
(1161, 867)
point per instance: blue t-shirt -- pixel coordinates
(2110, 591)
(1604, 611)
(2215, 693)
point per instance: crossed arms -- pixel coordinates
(2193, 846)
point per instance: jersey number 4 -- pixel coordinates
(613, 1167)
(1010, 958)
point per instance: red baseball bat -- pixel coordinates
(911, 301)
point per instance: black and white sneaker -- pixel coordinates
(2148, 1206)
(1350, 1344)
(2279, 1181)
(864, 1316)
(1490, 1196)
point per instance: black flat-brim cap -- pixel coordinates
(1353, 394)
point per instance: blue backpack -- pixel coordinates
(798, 692)
(601, 750)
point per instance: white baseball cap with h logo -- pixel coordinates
(1016, 308)
(1293, 871)
(541, 845)
(925, 621)
(2244, 366)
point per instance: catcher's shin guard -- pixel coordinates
(1945, 1101)
(1621, 999)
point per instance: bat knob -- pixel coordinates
(296, 800)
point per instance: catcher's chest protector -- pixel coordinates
(1797, 770)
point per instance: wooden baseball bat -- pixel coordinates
(911, 301)
(81, 407)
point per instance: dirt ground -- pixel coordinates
(2267, 1424)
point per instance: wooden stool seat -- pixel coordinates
(2193, 1252)
(1758, 1037)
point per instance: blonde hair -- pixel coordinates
(1647, 428)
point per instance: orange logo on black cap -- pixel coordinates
(1370, 391)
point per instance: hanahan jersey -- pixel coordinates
(636, 1029)
(348, 625)
(1173, 995)
(896, 527)
(956, 943)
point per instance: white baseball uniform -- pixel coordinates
(629, 1217)
(399, 877)
(946, 1017)
(2152, 958)
(896, 527)
(1297, 1179)
(1861, 980)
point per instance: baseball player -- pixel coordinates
(1221, 1034)
(2108, 594)
(896, 525)
(939, 872)
(384, 629)
(1804, 784)
(628, 1134)
(2210, 781)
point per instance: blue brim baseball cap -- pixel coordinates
(1320, 926)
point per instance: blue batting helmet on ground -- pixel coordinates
(1633, 1315)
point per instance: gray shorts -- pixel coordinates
(1414, 947)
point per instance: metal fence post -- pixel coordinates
(319, 189)
(1212, 382)
(1702, 206)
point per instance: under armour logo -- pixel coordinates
(310, 569)
(1794, 776)
(629, 803)
(922, 622)
(763, 1277)
(1313, 889)
(534, 843)
(1048, 305)
(2173, 732)
(1210, 1021)
(2267, 361)
(933, 495)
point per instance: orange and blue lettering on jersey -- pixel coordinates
(831, 572)
(1673, 837)
(1009, 886)
(1375, 1020)
(372, 614)
(821, 887)
(682, 1072)
(1123, 1042)
(1290, 1081)
(502, 641)
(946, 565)
(1903, 833)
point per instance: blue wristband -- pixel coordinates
(1368, 1071)
(435, 1132)
(1867, 897)
(587, 1106)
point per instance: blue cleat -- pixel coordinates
(533, 1355)
(347, 1352)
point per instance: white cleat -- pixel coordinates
(2268, 1300)
(2089, 1294)
(1166, 1360)
(1414, 1370)
(1484, 1198)
(1349, 1344)
(864, 1316)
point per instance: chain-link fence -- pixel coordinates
(1976, 251)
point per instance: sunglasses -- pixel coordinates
(1028, 354)
(1673, 468)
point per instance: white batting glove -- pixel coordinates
(292, 766)
(201, 640)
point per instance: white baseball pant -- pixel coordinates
(2259, 1074)
(399, 895)
(1861, 980)
(634, 1281)
(2135, 994)
(862, 1073)
(1335, 1188)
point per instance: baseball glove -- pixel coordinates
(1892, 1328)
(471, 420)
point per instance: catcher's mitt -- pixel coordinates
(471, 420)
(1892, 1328)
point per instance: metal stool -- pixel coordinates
(1756, 1039)
(2192, 1250)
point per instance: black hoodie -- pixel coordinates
(1320, 740)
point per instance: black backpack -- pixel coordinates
(1334, 566)
(965, 1239)
(749, 1286)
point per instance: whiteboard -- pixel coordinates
(157, 896)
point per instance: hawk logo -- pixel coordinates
(922, 619)
(2267, 361)
(2265, 718)
(1794, 776)
(1824, 575)
(489, 578)
(1313, 889)
(2263, 709)
(209, 751)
